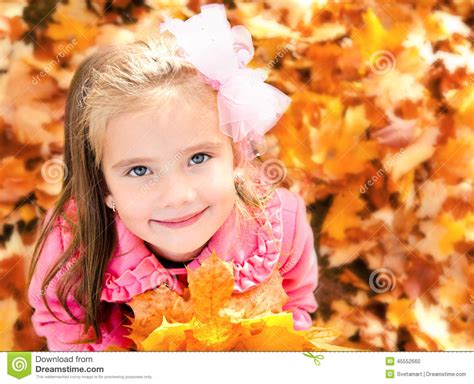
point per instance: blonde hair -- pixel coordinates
(114, 80)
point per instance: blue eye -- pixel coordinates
(199, 158)
(141, 170)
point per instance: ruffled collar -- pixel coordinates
(254, 250)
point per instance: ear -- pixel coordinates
(108, 200)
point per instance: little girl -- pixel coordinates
(160, 144)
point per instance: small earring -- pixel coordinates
(238, 178)
(113, 205)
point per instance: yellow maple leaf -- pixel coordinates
(454, 231)
(343, 214)
(454, 161)
(374, 37)
(442, 234)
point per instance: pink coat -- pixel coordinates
(284, 241)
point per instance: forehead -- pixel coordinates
(164, 129)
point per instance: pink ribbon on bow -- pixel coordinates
(248, 107)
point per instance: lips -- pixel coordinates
(180, 219)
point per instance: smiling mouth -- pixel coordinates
(181, 219)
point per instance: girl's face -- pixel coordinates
(164, 165)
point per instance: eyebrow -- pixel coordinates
(206, 145)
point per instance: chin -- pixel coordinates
(186, 250)
(184, 259)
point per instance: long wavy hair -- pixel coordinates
(113, 80)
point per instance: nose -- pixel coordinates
(175, 191)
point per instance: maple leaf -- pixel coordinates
(74, 23)
(343, 214)
(442, 234)
(463, 102)
(413, 155)
(294, 130)
(375, 37)
(15, 179)
(338, 144)
(217, 319)
(454, 160)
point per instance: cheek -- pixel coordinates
(133, 203)
(221, 193)
(221, 183)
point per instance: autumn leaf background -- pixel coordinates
(378, 140)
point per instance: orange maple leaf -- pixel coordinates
(211, 317)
